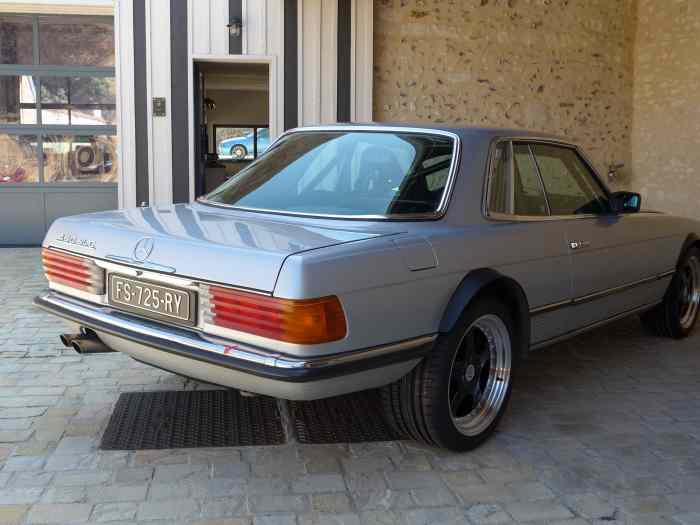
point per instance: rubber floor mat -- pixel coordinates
(188, 419)
(353, 418)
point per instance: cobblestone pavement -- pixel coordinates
(604, 429)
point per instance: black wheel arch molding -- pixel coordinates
(692, 239)
(488, 281)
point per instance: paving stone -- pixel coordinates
(12, 514)
(67, 494)
(224, 507)
(174, 509)
(346, 518)
(76, 445)
(216, 488)
(333, 503)
(413, 480)
(447, 516)
(315, 483)
(538, 511)
(179, 489)
(170, 473)
(125, 511)
(134, 475)
(275, 519)
(488, 515)
(223, 521)
(81, 477)
(19, 496)
(24, 463)
(113, 493)
(278, 503)
(237, 469)
(72, 462)
(15, 436)
(59, 513)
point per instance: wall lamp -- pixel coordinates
(235, 27)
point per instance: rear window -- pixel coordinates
(345, 173)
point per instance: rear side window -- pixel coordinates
(571, 187)
(346, 173)
(516, 188)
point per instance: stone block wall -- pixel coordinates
(666, 121)
(558, 66)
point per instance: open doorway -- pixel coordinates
(232, 113)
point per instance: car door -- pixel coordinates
(618, 259)
(530, 246)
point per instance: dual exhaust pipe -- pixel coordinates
(85, 342)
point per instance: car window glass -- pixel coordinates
(571, 188)
(529, 196)
(515, 186)
(322, 173)
(499, 188)
(346, 173)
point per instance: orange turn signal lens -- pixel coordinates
(309, 321)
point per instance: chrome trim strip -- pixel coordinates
(549, 307)
(444, 200)
(120, 324)
(592, 326)
(599, 295)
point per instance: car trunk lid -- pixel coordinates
(237, 248)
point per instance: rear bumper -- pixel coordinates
(236, 365)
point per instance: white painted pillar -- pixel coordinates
(158, 66)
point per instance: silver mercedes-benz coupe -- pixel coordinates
(425, 262)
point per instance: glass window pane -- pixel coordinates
(76, 41)
(570, 187)
(499, 185)
(263, 140)
(92, 90)
(16, 40)
(73, 158)
(17, 100)
(312, 172)
(78, 101)
(235, 144)
(529, 197)
(19, 159)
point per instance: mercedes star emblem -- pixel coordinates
(143, 249)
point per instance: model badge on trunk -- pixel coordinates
(77, 241)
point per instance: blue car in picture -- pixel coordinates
(243, 147)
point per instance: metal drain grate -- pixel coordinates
(353, 418)
(187, 419)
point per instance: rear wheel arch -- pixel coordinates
(486, 282)
(692, 240)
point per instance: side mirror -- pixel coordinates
(626, 202)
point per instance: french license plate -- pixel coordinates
(152, 300)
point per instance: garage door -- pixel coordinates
(58, 144)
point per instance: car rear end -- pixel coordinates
(277, 302)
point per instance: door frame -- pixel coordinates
(274, 92)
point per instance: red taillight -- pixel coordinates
(309, 321)
(71, 270)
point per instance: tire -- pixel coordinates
(418, 406)
(676, 316)
(239, 152)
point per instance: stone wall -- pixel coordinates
(666, 122)
(560, 66)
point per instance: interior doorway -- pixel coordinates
(232, 119)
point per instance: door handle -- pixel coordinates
(577, 245)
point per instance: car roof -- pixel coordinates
(486, 133)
